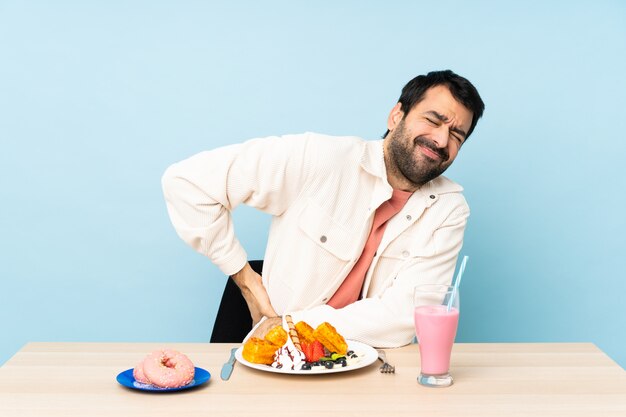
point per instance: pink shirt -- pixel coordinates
(349, 291)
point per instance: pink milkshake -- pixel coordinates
(436, 317)
(435, 328)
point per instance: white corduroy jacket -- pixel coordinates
(322, 192)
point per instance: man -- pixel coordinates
(356, 224)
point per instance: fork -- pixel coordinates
(386, 367)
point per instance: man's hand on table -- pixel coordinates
(255, 294)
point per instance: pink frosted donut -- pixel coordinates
(139, 375)
(168, 369)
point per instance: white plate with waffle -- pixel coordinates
(364, 354)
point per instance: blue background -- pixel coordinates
(98, 98)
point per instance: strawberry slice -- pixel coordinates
(307, 349)
(317, 350)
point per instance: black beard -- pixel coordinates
(401, 155)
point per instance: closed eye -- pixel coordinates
(458, 134)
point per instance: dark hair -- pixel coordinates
(460, 88)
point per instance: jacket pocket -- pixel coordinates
(400, 254)
(407, 246)
(327, 233)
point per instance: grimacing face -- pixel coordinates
(422, 144)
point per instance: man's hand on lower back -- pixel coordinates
(267, 325)
(255, 294)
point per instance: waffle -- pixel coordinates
(257, 350)
(331, 340)
(305, 332)
(276, 336)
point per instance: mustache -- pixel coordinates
(422, 141)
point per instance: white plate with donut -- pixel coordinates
(365, 356)
(127, 379)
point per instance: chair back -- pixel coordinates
(233, 321)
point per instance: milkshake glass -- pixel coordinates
(435, 328)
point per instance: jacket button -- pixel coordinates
(405, 253)
(432, 196)
(323, 239)
(408, 217)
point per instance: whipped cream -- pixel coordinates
(288, 357)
